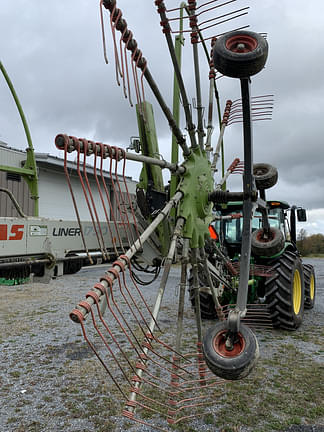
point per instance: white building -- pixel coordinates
(55, 199)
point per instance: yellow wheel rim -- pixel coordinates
(297, 292)
(312, 287)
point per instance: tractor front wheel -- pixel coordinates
(230, 364)
(285, 292)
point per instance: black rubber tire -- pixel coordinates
(310, 286)
(73, 266)
(207, 305)
(220, 362)
(265, 175)
(280, 295)
(269, 247)
(239, 64)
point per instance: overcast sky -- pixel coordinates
(53, 54)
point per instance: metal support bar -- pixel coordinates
(218, 307)
(173, 167)
(14, 201)
(194, 263)
(213, 87)
(22, 171)
(265, 221)
(220, 184)
(186, 106)
(248, 209)
(183, 283)
(28, 261)
(179, 42)
(200, 128)
(263, 209)
(172, 123)
(210, 127)
(218, 147)
(216, 273)
(32, 178)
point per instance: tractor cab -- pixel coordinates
(229, 223)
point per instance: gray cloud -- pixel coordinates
(53, 53)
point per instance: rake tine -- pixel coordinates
(66, 171)
(100, 236)
(81, 321)
(183, 282)
(156, 309)
(131, 252)
(103, 32)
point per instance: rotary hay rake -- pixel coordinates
(147, 348)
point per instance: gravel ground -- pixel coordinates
(51, 381)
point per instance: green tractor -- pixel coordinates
(278, 277)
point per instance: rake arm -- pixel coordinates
(72, 144)
(141, 63)
(186, 106)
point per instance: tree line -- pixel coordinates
(310, 245)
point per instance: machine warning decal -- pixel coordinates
(37, 230)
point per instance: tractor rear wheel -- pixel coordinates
(285, 292)
(310, 286)
(207, 305)
(231, 364)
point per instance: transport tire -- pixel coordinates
(265, 175)
(285, 292)
(310, 286)
(261, 246)
(240, 54)
(234, 364)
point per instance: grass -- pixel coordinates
(284, 390)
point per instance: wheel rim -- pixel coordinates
(260, 237)
(312, 287)
(297, 292)
(261, 171)
(220, 347)
(241, 44)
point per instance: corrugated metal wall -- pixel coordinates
(54, 196)
(55, 200)
(21, 193)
